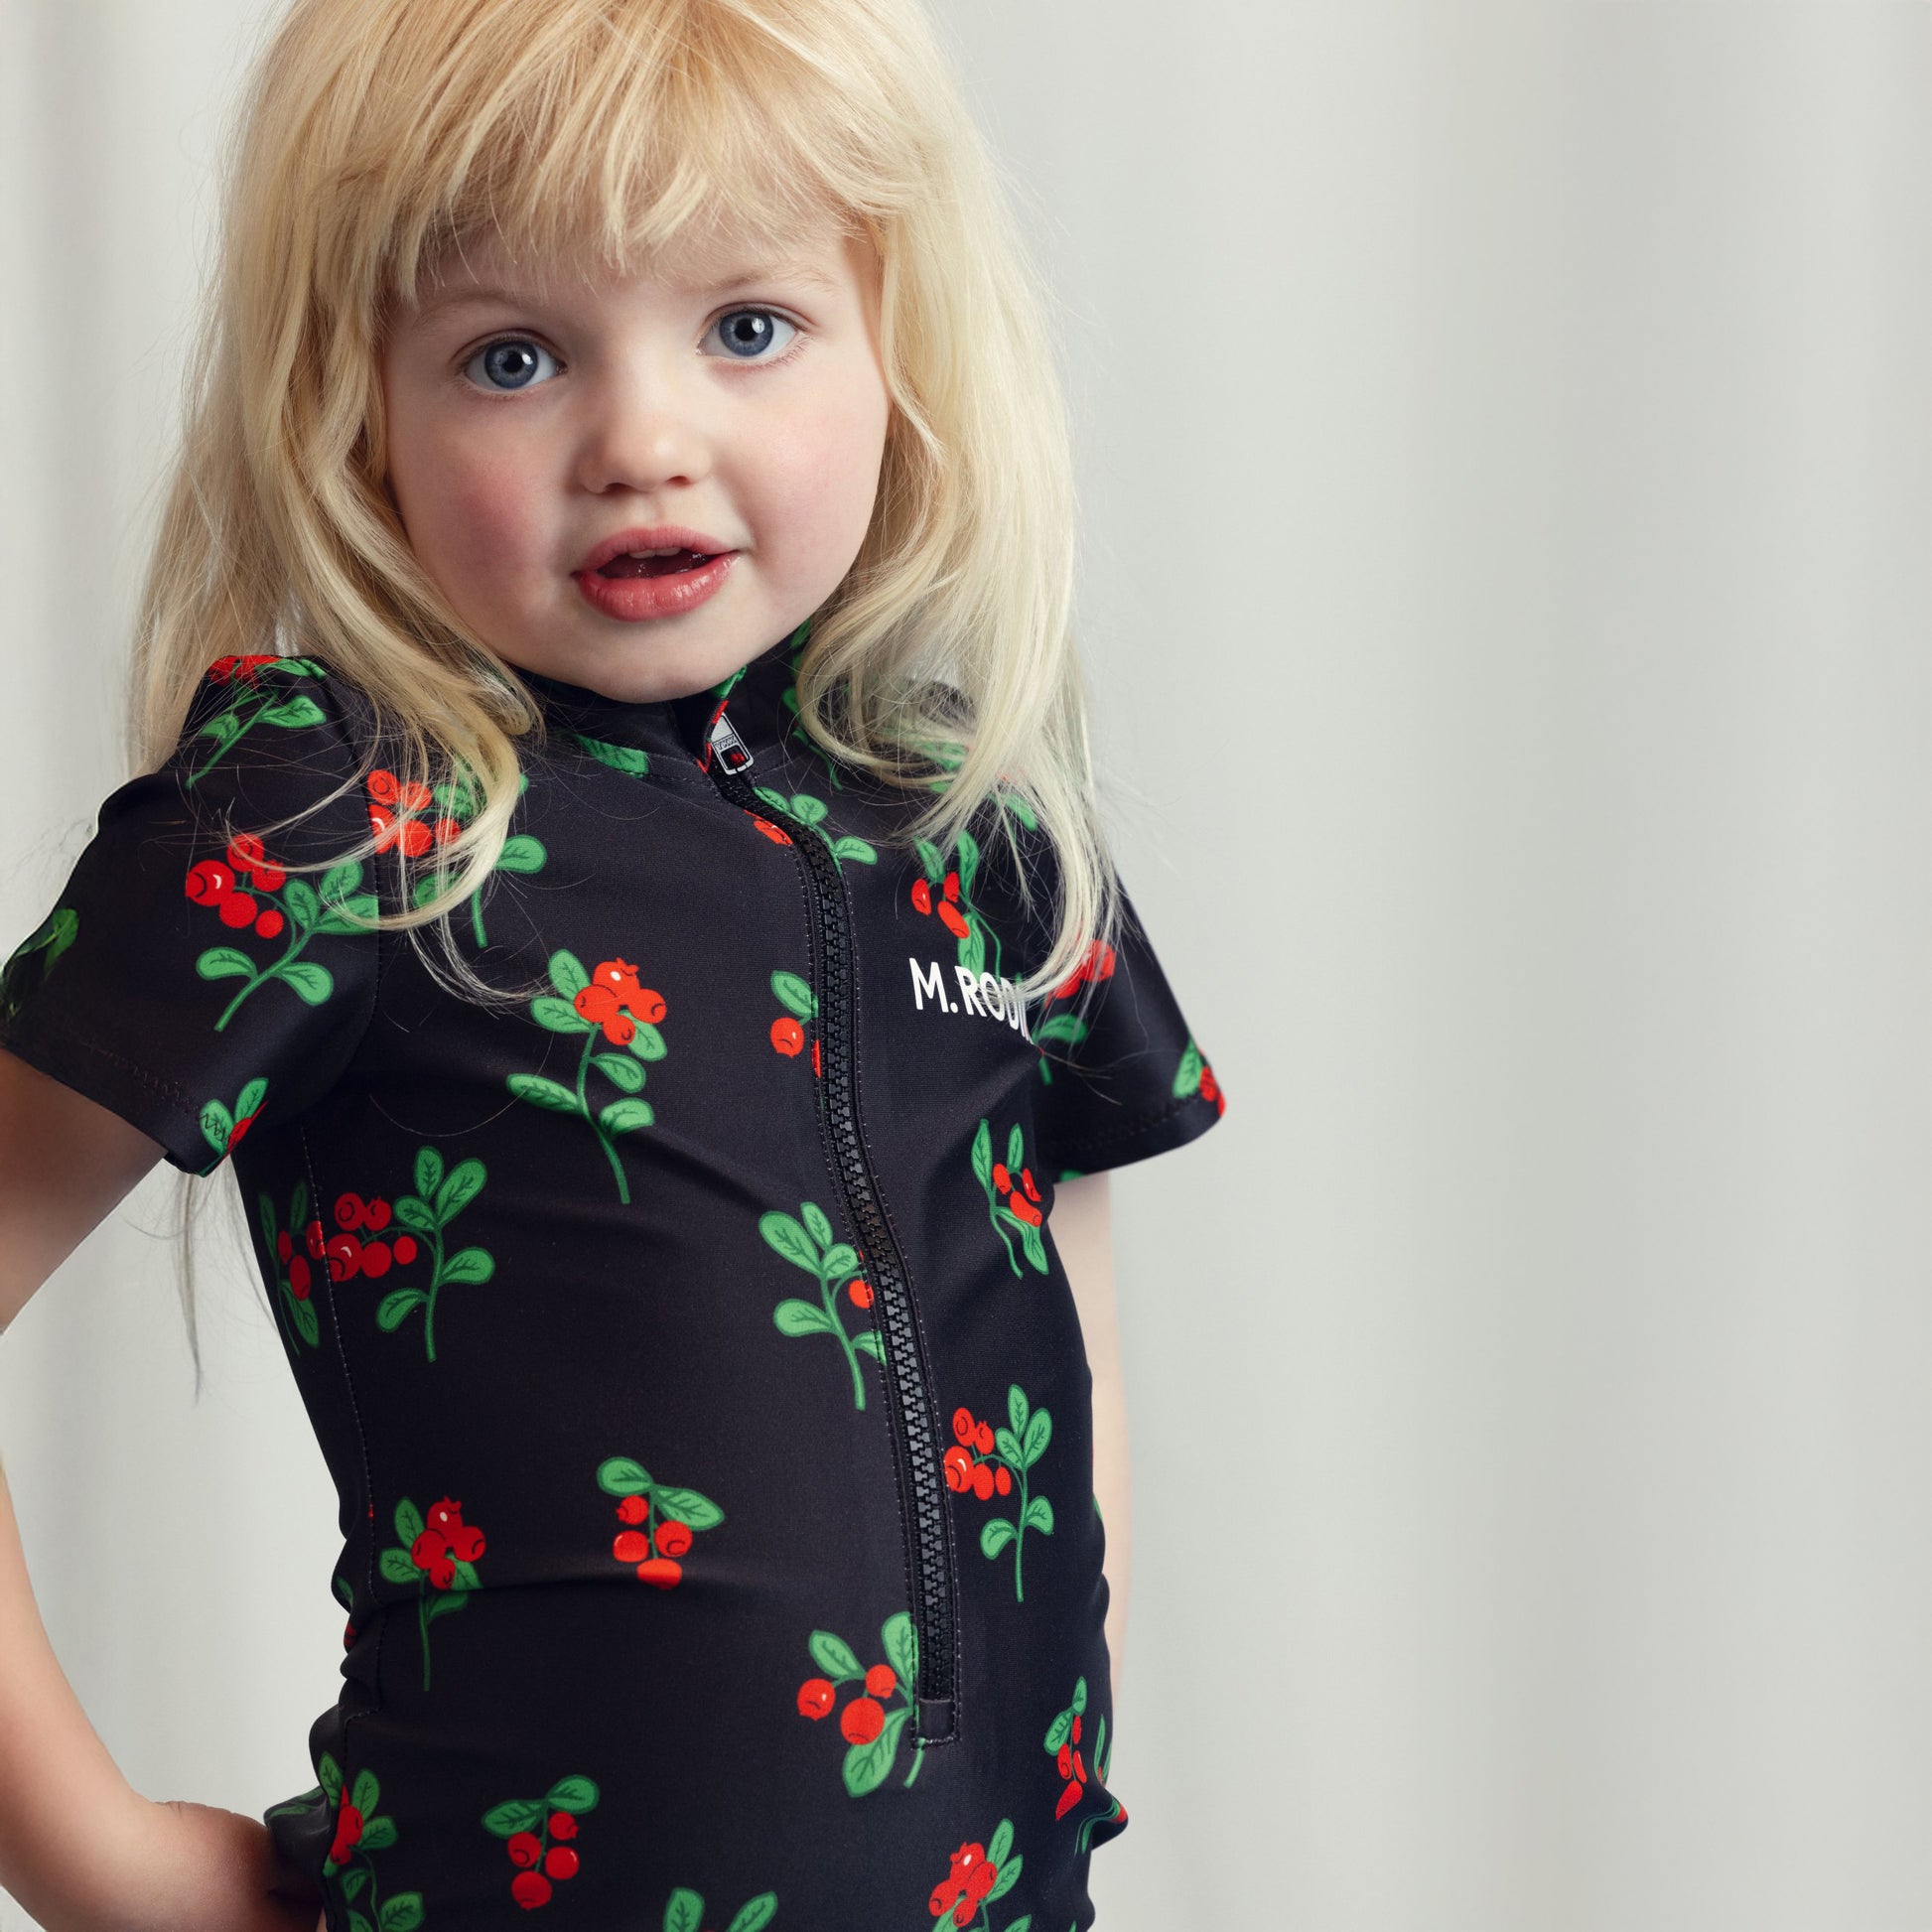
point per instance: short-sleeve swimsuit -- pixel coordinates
(685, 1333)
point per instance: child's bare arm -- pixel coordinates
(1083, 1235)
(80, 1850)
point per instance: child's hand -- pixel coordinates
(216, 1871)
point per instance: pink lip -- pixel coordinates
(659, 537)
(633, 600)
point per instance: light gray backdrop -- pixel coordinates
(1508, 478)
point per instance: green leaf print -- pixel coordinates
(685, 1912)
(290, 1269)
(260, 698)
(542, 1837)
(809, 1243)
(29, 962)
(812, 813)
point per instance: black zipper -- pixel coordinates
(908, 1383)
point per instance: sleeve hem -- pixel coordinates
(1180, 1120)
(123, 1088)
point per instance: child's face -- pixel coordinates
(530, 424)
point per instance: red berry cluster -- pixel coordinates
(1022, 1202)
(531, 1887)
(394, 810)
(946, 906)
(446, 1540)
(1074, 1769)
(865, 1717)
(615, 1001)
(217, 883)
(965, 1463)
(972, 1877)
(777, 834)
(230, 669)
(1097, 964)
(348, 1252)
(788, 1038)
(1210, 1089)
(653, 1550)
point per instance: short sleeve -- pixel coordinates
(1122, 1076)
(184, 978)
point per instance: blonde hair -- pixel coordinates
(376, 134)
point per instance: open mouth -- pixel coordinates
(669, 563)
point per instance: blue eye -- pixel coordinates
(511, 358)
(746, 332)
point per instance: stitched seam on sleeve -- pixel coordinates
(1097, 1141)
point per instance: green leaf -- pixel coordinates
(785, 1234)
(972, 949)
(367, 1792)
(574, 1794)
(224, 963)
(685, 1912)
(1017, 1408)
(840, 1260)
(868, 1342)
(307, 1324)
(867, 1766)
(795, 1318)
(1059, 1730)
(470, 1265)
(807, 809)
(566, 973)
(1040, 1516)
(303, 908)
(995, 1534)
(1080, 1694)
(513, 1815)
(1010, 1869)
(755, 1914)
(364, 907)
(983, 1154)
(1186, 1078)
(378, 1833)
(395, 1306)
(1007, 1445)
(833, 1655)
(619, 1070)
(625, 1115)
(687, 1506)
(1040, 1431)
(794, 995)
(543, 1093)
(1016, 1153)
(414, 1213)
(969, 862)
(622, 1476)
(216, 1124)
(293, 715)
(311, 981)
(1035, 1247)
(999, 1844)
(647, 1043)
(464, 1185)
(521, 853)
(409, 1521)
(396, 1567)
(857, 850)
(557, 1015)
(816, 1224)
(1068, 1027)
(339, 882)
(935, 865)
(429, 1171)
(901, 1641)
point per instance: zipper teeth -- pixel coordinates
(907, 1385)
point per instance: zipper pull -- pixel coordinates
(731, 751)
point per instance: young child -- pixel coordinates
(619, 882)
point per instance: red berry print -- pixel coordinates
(662, 1520)
(861, 1720)
(977, 1874)
(1011, 1196)
(1194, 1075)
(811, 1243)
(770, 831)
(529, 1829)
(1063, 1742)
(816, 1698)
(787, 1035)
(363, 1836)
(437, 1551)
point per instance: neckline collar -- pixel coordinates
(679, 727)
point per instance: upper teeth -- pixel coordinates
(670, 550)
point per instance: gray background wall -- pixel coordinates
(1508, 479)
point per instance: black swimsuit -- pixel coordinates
(704, 1397)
